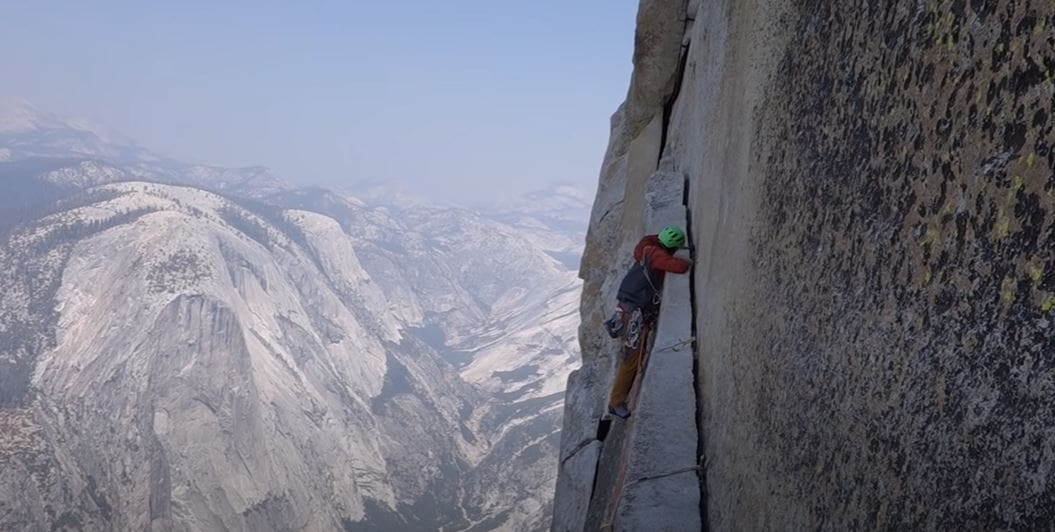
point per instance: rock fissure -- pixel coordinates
(701, 469)
(668, 106)
(582, 445)
(610, 210)
(692, 469)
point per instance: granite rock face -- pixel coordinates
(616, 223)
(870, 194)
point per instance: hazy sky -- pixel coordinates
(457, 97)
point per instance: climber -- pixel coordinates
(638, 307)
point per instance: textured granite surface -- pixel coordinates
(877, 342)
(872, 201)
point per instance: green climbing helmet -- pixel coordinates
(672, 237)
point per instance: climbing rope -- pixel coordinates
(698, 467)
(676, 346)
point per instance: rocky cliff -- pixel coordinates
(868, 188)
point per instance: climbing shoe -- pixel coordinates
(619, 410)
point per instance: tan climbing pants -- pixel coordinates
(634, 345)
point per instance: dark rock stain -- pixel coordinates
(906, 251)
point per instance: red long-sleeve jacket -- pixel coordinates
(659, 258)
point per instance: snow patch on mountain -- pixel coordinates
(207, 347)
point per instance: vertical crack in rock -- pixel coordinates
(668, 106)
(700, 449)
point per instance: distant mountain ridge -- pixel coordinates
(27, 133)
(207, 348)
